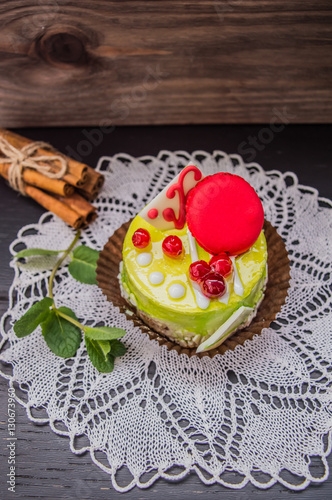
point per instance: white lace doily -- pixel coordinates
(264, 407)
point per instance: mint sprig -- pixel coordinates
(33, 317)
(28, 252)
(61, 336)
(83, 265)
(60, 326)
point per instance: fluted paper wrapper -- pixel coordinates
(275, 294)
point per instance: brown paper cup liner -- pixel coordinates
(275, 294)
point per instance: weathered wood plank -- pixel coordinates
(151, 62)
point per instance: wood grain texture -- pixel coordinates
(46, 468)
(174, 61)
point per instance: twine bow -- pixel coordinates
(25, 158)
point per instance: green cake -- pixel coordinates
(161, 274)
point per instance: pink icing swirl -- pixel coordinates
(168, 213)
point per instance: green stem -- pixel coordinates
(71, 320)
(58, 264)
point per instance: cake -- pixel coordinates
(195, 259)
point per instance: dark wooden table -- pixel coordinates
(45, 466)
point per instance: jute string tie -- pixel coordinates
(25, 158)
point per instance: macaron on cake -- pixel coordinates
(195, 259)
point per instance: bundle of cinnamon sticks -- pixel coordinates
(68, 197)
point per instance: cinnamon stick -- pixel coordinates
(56, 206)
(56, 186)
(81, 206)
(90, 196)
(34, 178)
(77, 172)
(95, 181)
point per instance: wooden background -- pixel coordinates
(105, 62)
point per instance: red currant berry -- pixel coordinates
(199, 269)
(222, 264)
(172, 246)
(141, 238)
(213, 285)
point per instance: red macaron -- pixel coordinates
(224, 214)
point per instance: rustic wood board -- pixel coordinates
(109, 62)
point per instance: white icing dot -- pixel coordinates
(156, 278)
(144, 259)
(176, 291)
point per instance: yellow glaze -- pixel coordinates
(183, 314)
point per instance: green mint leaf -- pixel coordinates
(83, 265)
(33, 317)
(117, 348)
(105, 347)
(62, 337)
(28, 252)
(103, 333)
(102, 360)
